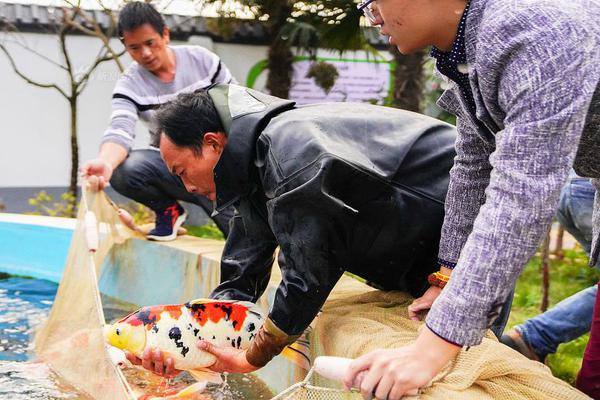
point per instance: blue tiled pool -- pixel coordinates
(33, 250)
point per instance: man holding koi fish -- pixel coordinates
(338, 187)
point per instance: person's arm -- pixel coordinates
(247, 257)
(304, 222)
(544, 116)
(245, 271)
(469, 177)
(116, 143)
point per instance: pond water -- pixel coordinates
(25, 303)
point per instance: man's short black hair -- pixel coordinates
(138, 13)
(187, 118)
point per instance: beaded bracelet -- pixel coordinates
(438, 279)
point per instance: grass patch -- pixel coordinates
(207, 231)
(567, 276)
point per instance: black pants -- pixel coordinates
(144, 177)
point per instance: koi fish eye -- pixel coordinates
(118, 331)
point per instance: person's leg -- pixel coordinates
(576, 209)
(144, 177)
(566, 321)
(588, 379)
(570, 318)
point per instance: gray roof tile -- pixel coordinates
(38, 18)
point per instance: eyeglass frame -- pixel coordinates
(366, 10)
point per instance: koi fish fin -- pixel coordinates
(117, 356)
(200, 301)
(205, 300)
(206, 375)
(191, 390)
(252, 307)
(298, 353)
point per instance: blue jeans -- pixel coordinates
(144, 177)
(572, 317)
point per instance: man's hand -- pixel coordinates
(97, 173)
(423, 303)
(229, 359)
(392, 373)
(153, 360)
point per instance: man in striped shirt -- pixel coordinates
(159, 72)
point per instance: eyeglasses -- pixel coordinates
(366, 8)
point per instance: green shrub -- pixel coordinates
(207, 231)
(45, 205)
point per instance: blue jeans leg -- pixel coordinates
(566, 321)
(572, 317)
(575, 210)
(144, 177)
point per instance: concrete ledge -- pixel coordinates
(39, 220)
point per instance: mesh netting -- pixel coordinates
(352, 324)
(71, 340)
(309, 392)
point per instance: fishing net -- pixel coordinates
(352, 324)
(71, 340)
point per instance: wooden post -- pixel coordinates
(558, 246)
(545, 271)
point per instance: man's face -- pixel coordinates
(195, 168)
(407, 23)
(146, 46)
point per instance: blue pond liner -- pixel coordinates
(33, 250)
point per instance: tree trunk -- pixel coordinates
(281, 69)
(280, 57)
(558, 247)
(545, 272)
(409, 80)
(74, 153)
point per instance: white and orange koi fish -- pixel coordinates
(175, 329)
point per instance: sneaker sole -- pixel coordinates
(520, 346)
(180, 220)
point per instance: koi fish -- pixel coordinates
(175, 329)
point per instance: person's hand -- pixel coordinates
(153, 360)
(97, 173)
(392, 373)
(423, 303)
(229, 359)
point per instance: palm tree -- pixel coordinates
(308, 25)
(408, 80)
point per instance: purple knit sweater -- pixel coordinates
(533, 69)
